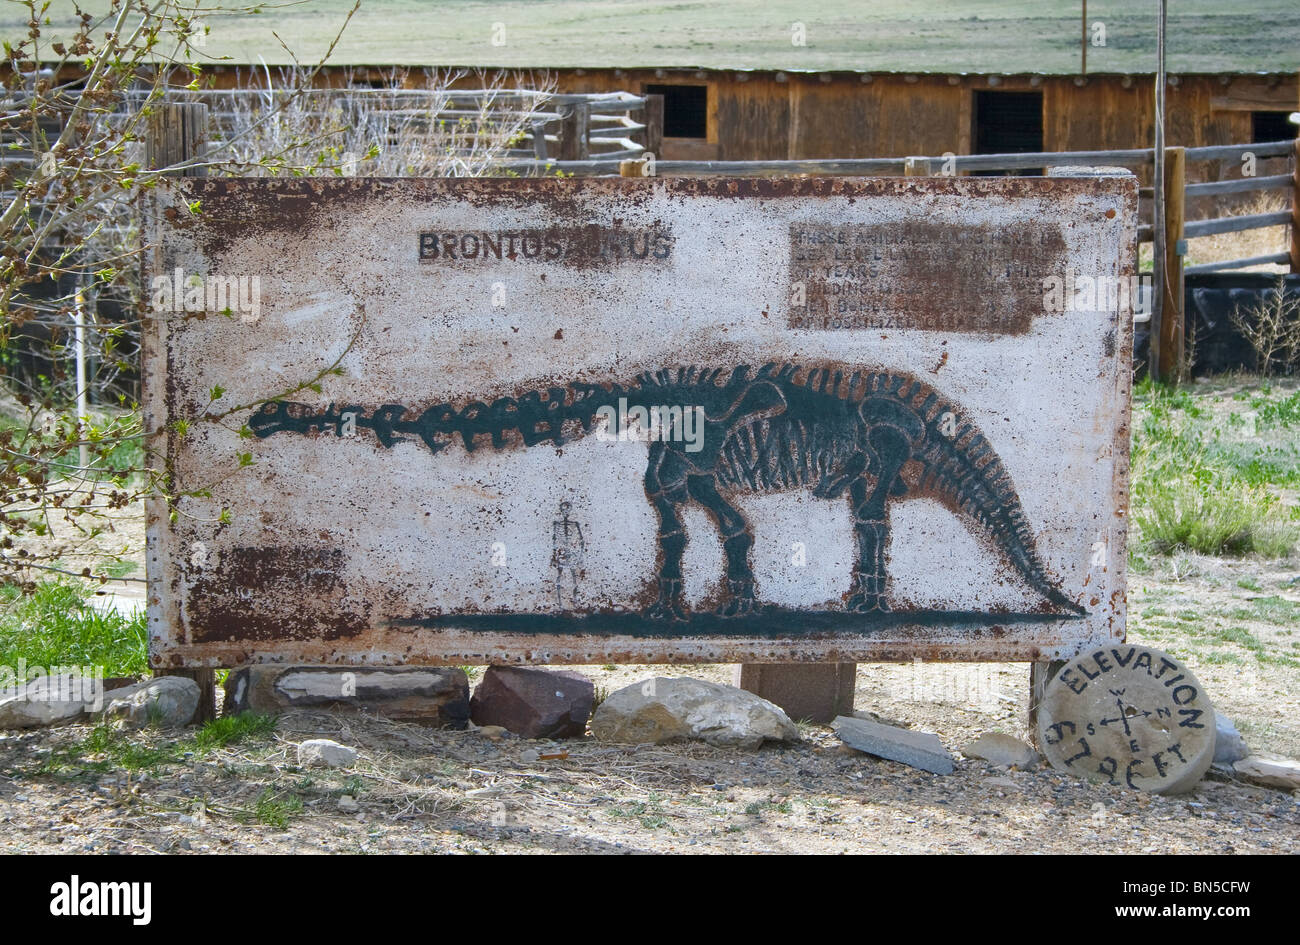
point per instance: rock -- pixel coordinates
(348, 804)
(433, 695)
(165, 701)
(1229, 746)
(1002, 784)
(1130, 716)
(917, 749)
(49, 700)
(492, 732)
(1270, 771)
(660, 709)
(999, 749)
(534, 703)
(530, 756)
(323, 751)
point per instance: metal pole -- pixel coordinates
(1158, 187)
(83, 405)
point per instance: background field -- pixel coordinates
(881, 35)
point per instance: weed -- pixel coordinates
(230, 729)
(1272, 327)
(1197, 485)
(276, 809)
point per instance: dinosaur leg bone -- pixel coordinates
(736, 542)
(667, 499)
(870, 517)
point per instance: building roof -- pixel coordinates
(913, 36)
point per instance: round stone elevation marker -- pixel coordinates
(1130, 716)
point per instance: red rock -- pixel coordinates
(533, 703)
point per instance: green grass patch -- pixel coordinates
(108, 749)
(277, 808)
(55, 625)
(232, 729)
(1210, 482)
(1274, 609)
(649, 813)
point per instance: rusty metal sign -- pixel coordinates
(493, 421)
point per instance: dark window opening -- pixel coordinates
(686, 109)
(1271, 126)
(1008, 123)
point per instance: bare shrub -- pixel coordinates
(1272, 326)
(419, 125)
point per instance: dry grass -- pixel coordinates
(1261, 242)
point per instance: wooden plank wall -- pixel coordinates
(765, 116)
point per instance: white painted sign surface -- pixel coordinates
(887, 418)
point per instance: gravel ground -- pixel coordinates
(416, 789)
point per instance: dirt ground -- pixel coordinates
(417, 789)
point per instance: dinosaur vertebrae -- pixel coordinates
(537, 416)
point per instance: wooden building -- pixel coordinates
(785, 115)
(712, 114)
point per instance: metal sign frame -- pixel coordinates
(591, 421)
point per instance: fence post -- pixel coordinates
(574, 121)
(654, 124)
(539, 140)
(814, 692)
(1175, 247)
(178, 133)
(1295, 210)
(1040, 674)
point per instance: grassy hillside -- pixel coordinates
(885, 35)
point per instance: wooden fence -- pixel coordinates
(599, 129)
(621, 133)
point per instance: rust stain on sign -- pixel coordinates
(589, 421)
(926, 274)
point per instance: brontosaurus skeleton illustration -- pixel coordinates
(869, 435)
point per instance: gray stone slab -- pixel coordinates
(916, 749)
